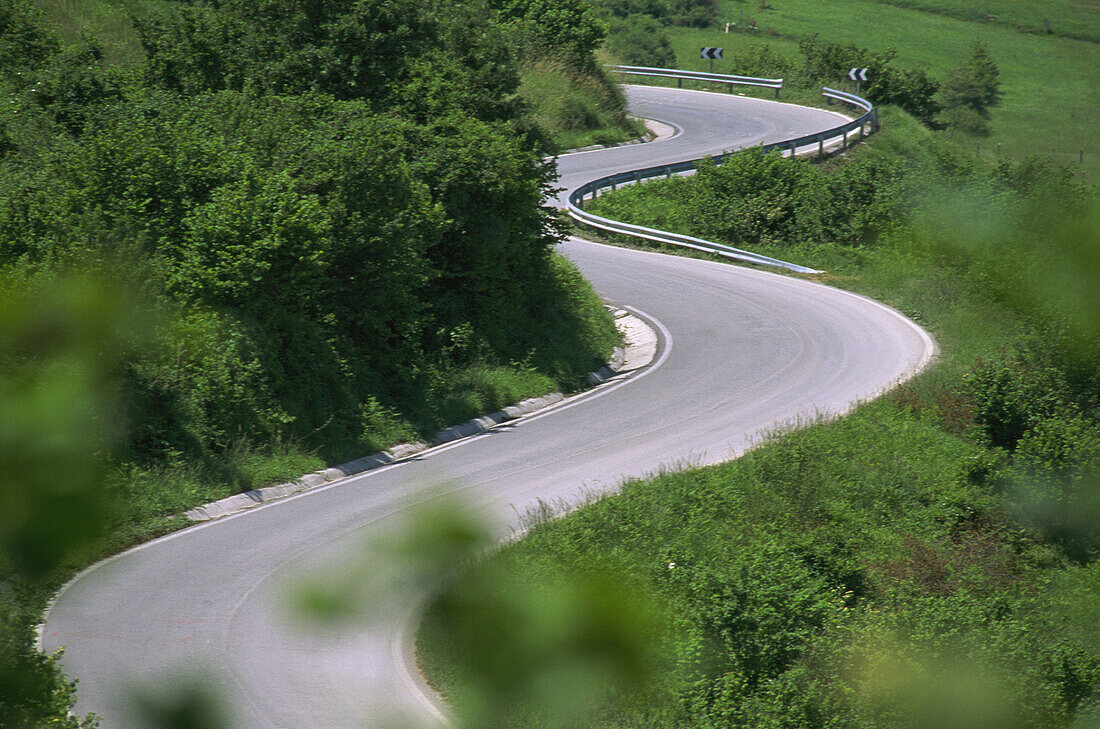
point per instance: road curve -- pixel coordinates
(740, 350)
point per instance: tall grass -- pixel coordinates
(108, 21)
(576, 109)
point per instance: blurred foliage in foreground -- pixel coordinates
(928, 562)
(63, 345)
(331, 213)
(557, 644)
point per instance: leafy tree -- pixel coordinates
(969, 90)
(195, 49)
(75, 86)
(569, 29)
(387, 53)
(829, 62)
(911, 89)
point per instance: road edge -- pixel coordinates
(639, 350)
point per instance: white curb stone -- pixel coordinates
(640, 347)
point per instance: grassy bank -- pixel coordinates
(929, 560)
(574, 109)
(1049, 106)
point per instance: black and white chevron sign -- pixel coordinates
(858, 74)
(714, 54)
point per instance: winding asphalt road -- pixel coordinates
(740, 351)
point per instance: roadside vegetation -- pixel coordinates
(1047, 53)
(928, 561)
(241, 240)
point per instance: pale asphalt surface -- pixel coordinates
(740, 351)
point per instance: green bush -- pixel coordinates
(639, 40)
(1066, 448)
(568, 30)
(761, 61)
(1011, 396)
(973, 86)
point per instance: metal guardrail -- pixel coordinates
(847, 98)
(731, 81)
(867, 121)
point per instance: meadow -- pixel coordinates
(1049, 80)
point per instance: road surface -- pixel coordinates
(740, 351)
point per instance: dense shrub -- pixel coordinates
(910, 89)
(339, 253)
(568, 31)
(969, 90)
(797, 577)
(387, 54)
(755, 199)
(639, 40)
(1013, 395)
(691, 13)
(24, 43)
(761, 61)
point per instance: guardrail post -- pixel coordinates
(844, 135)
(668, 173)
(679, 82)
(820, 147)
(731, 88)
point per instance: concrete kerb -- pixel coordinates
(639, 350)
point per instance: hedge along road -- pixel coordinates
(739, 351)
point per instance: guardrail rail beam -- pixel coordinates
(869, 118)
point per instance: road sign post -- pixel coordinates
(858, 75)
(711, 54)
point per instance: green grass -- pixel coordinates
(573, 109)
(1077, 19)
(106, 20)
(820, 541)
(1049, 106)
